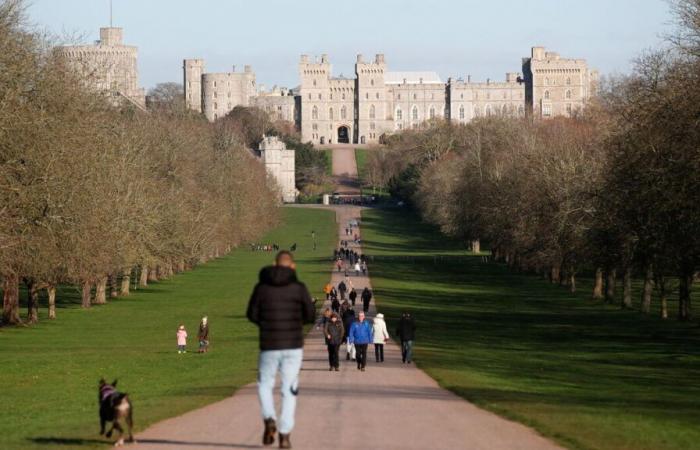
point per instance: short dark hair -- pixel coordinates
(284, 256)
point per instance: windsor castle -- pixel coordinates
(329, 109)
(376, 102)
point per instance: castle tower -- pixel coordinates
(193, 70)
(371, 99)
(315, 95)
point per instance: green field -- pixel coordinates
(49, 372)
(591, 376)
(361, 161)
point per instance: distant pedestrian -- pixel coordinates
(280, 305)
(342, 288)
(203, 335)
(381, 335)
(327, 290)
(334, 293)
(406, 332)
(339, 264)
(366, 298)
(293, 248)
(361, 336)
(181, 339)
(363, 265)
(358, 269)
(335, 305)
(334, 332)
(353, 296)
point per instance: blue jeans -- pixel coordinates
(288, 364)
(406, 350)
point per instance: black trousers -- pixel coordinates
(365, 305)
(379, 352)
(333, 358)
(361, 350)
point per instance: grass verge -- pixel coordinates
(50, 371)
(588, 375)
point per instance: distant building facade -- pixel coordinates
(108, 66)
(328, 109)
(279, 162)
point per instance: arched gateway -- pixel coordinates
(343, 135)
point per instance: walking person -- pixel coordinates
(280, 306)
(366, 298)
(342, 288)
(406, 332)
(358, 269)
(334, 331)
(381, 335)
(327, 290)
(353, 296)
(361, 336)
(181, 339)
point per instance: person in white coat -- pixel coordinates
(381, 335)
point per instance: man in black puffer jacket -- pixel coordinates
(279, 306)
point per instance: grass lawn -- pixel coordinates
(588, 375)
(49, 372)
(361, 161)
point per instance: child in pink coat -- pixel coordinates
(181, 339)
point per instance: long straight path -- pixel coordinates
(389, 406)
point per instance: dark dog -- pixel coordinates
(114, 407)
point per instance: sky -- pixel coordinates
(481, 38)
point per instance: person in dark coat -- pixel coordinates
(353, 296)
(342, 288)
(334, 332)
(280, 306)
(335, 305)
(203, 335)
(406, 332)
(366, 298)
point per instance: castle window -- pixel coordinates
(568, 108)
(568, 95)
(371, 112)
(546, 81)
(314, 113)
(216, 106)
(215, 94)
(215, 84)
(319, 96)
(477, 112)
(399, 126)
(371, 126)
(367, 96)
(461, 112)
(414, 113)
(330, 113)
(432, 96)
(521, 110)
(309, 96)
(216, 116)
(314, 82)
(461, 96)
(343, 112)
(398, 96)
(371, 82)
(399, 114)
(414, 96)
(568, 81)
(342, 96)
(546, 95)
(505, 95)
(547, 110)
(432, 112)
(314, 127)
(331, 96)
(488, 110)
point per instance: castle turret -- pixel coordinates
(193, 70)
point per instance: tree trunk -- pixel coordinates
(153, 274)
(32, 302)
(610, 280)
(598, 285)
(180, 265)
(113, 291)
(572, 281)
(554, 276)
(10, 300)
(86, 289)
(169, 270)
(143, 279)
(101, 291)
(51, 292)
(627, 288)
(648, 287)
(684, 288)
(126, 283)
(476, 246)
(663, 296)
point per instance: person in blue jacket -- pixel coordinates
(361, 334)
